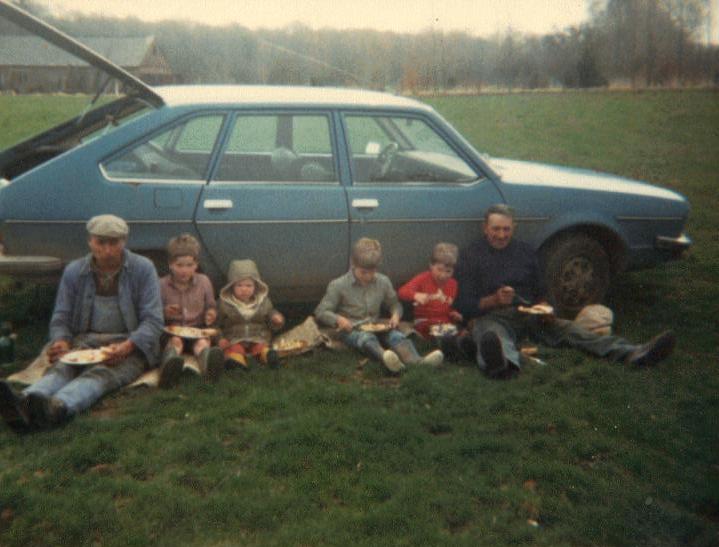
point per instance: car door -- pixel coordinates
(275, 197)
(155, 182)
(411, 187)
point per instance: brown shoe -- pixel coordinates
(657, 349)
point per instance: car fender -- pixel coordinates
(600, 227)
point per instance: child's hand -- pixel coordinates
(173, 311)
(394, 321)
(210, 316)
(455, 316)
(421, 298)
(277, 320)
(343, 323)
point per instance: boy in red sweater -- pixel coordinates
(433, 292)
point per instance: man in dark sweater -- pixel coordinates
(496, 275)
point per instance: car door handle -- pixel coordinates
(217, 204)
(365, 203)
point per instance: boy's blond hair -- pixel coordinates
(183, 245)
(366, 253)
(445, 253)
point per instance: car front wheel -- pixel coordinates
(577, 273)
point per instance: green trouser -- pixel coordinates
(512, 326)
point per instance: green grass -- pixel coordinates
(23, 116)
(330, 452)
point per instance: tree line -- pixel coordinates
(633, 43)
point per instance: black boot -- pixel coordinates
(273, 359)
(212, 363)
(495, 364)
(448, 345)
(14, 409)
(47, 412)
(657, 349)
(170, 368)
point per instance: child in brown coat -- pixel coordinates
(247, 317)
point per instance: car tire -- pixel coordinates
(576, 272)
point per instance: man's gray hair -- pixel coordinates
(499, 209)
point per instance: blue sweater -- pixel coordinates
(138, 297)
(482, 269)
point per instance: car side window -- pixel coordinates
(179, 153)
(278, 148)
(402, 149)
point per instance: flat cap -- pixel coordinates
(107, 226)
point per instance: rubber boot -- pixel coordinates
(170, 367)
(409, 356)
(14, 409)
(388, 358)
(47, 412)
(269, 357)
(212, 363)
(497, 366)
(236, 360)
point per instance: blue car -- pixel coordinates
(291, 176)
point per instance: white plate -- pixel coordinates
(84, 357)
(537, 309)
(375, 326)
(190, 332)
(443, 329)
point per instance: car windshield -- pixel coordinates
(402, 149)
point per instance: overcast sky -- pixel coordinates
(478, 17)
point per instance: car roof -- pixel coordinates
(259, 95)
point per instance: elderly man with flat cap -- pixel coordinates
(109, 298)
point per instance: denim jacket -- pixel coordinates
(138, 297)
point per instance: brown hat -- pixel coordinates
(107, 226)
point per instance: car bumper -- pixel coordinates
(675, 246)
(31, 267)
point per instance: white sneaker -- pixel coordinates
(433, 359)
(391, 361)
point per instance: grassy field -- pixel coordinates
(329, 451)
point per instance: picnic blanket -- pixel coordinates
(307, 331)
(37, 368)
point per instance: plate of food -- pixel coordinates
(85, 357)
(190, 332)
(289, 347)
(537, 309)
(374, 326)
(443, 329)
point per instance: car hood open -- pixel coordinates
(61, 40)
(541, 174)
